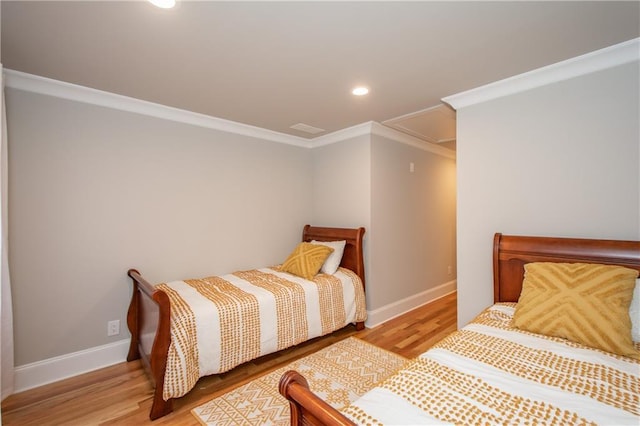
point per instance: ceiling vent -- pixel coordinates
(307, 129)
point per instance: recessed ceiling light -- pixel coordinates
(165, 4)
(360, 91)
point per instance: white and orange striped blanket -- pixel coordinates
(491, 373)
(220, 322)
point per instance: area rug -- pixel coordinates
(339, 374)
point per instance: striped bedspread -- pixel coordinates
(218, 323)
(490, 373)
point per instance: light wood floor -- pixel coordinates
(121, 394)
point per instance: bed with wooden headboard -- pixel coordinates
(150, 315)
(617, 402)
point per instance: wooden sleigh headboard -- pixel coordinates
(511, 253)
(353, 257)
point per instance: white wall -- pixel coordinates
(413, 214)
(95, 191)
(558, 160)
(410, 217)
(342, 191)
(342, 183)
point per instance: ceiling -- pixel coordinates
(277, 64)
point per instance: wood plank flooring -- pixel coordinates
(121, 394)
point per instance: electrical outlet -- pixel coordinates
(449, 270)
(113, 328)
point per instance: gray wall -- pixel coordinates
(410, 217)
(413, 215)
(342, 183)
(95, 191)
(559, 160)
(342, 192)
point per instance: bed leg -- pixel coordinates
(360, 326)
(133, 315)
(160, 407)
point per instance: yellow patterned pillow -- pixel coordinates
(582, 302)
(306, 260)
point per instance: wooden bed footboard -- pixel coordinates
(305, 406)
(148, 320)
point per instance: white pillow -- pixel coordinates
(634, 313)
(330, 266)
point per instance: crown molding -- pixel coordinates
(396, 135)
(609, 57)
(342, 135)
(375, 128)
(59, 89)
(47, 86)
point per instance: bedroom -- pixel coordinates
(78, 190)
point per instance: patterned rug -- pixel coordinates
(339, 374)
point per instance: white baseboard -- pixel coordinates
(395, 309)
(51, 370)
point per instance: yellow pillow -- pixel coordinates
(582, 302)
(306, 260)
